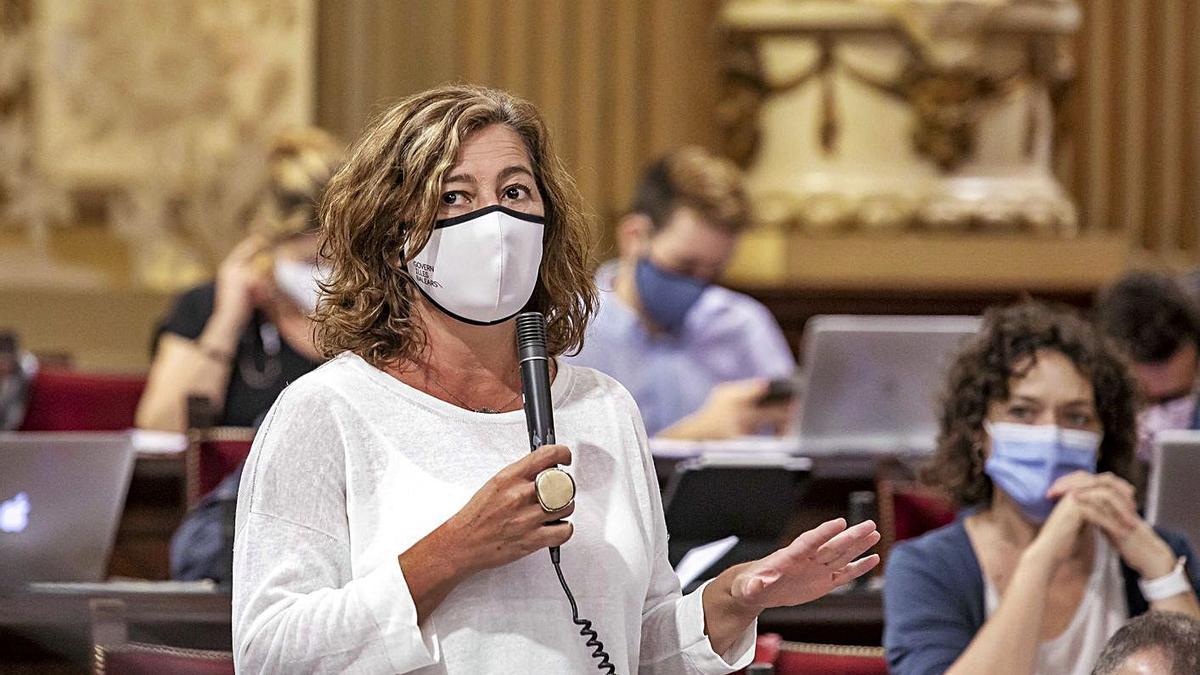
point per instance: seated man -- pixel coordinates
(696, 357)
(1158, 643)
(1152, 319)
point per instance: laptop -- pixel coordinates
(61, 498)
(870, 383)
(714, 496)
(1174, 474)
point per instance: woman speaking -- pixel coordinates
(388, 512)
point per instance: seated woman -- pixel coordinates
(240, 340)
(1038, 436)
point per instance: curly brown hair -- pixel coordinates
(1004, 350)
(380, 208)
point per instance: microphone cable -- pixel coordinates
(539, 418)
(585, 626)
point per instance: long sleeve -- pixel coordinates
(673, 638)
(296, 604)
(928, 623)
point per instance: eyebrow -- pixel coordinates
(1038, 401)
(513, 170)
(505, 173)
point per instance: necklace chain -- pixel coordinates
(468, 406)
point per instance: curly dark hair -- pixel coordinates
(1006, 348)
(1149, 315)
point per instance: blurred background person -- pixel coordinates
(696, 356)
(1151, 317)
(240, 339)
(1037, 436)
(1155, 643)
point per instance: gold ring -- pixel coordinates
(555, 489)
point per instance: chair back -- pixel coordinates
(908, 509)
(806, 658)
(212, 455)
(68, 400)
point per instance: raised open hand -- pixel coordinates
(814, 563)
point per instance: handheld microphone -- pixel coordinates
(553, 485)
(535, 378)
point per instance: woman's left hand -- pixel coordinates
(1108, 502)
(815, 563)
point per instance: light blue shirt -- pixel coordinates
(726, 336)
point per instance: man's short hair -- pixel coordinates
(1175, 635)
(1149, 315)
(694, 177)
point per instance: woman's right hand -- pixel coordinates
(504, 521)
(239, 281)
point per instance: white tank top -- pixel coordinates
(1102, 611)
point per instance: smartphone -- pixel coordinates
(778, 391)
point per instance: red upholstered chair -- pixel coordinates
(908, 509)
(68, 400)
(212, 455)
(113, 654)
(804, 658)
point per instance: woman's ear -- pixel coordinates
(633, 233)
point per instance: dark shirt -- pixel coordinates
(933, 598)
(261, 367)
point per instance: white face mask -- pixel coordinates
(481, 267)
(298, 281)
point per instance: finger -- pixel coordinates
(554, 535)
(1071, 481)
(809, 542)
(840, 544)
(533, 515)
(545, 457)
(1120, 484)
(1121, 503)
(1114, 505)
(749, 390)
(248, 247)
(855, 569)
(1113, 527)
(861, 546)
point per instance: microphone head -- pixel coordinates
(531, 335)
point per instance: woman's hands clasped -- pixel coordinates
(1107, 502)
(815, 563)
(504, 521)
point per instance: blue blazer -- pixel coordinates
(933, 598)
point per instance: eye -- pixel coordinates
(1079, 419)
(1020, 412)
(515, 192)
(452, 198)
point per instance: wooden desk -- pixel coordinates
(48, 627)
(853, 617)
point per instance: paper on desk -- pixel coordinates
(125, 586)
(671, 448)
(699, 559)
(148, 442)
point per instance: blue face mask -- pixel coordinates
(666, 297)
(1027, 459)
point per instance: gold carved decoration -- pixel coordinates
(154, 115)
(951, 67)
